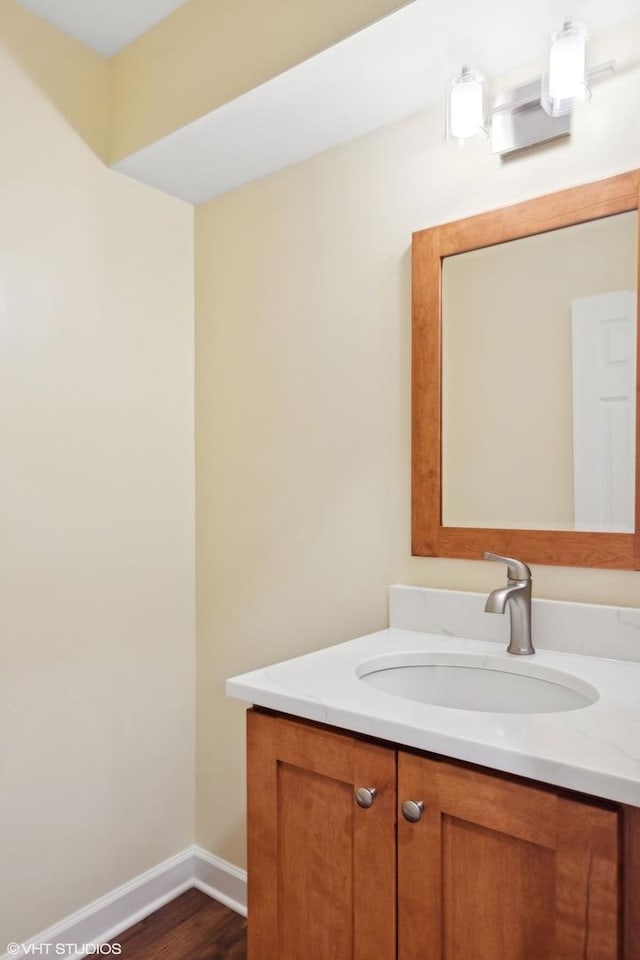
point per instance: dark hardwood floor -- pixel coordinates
(191, 927)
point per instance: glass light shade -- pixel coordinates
(466, 114)
(566, 82)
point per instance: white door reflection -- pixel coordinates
(603, 331)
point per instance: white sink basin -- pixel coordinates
(464, 681)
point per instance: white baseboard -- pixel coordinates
(221, 880)
(105, 918)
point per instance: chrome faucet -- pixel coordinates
(517, 594)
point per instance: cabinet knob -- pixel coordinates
(412, 810)
(365, 796)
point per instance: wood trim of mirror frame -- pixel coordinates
(429, 538)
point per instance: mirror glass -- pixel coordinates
(539, 380)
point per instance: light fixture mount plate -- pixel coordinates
(518, 122)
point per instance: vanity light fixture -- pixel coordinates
(565, 83)
(527, 115)
(466, 111)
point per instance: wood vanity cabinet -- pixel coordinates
(500, 869)
(494, 869)
(322, 869)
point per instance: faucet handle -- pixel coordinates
(516, 569)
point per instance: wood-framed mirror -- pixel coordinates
(525, 413)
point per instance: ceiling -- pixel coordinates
(395, 67)
(109, 25)
(104, 25)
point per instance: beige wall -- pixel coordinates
(302, 392)
(507, 343)
(96, 512)
(71, 77)
(302, 387)
(211, 51)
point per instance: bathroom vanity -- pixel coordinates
(421, 793)
(382, 826)
(486, 865)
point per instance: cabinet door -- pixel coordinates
(322, 870)
(496, 870)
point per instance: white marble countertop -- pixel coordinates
(594, 750)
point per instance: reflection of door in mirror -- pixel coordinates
(604, 405)
(512, 456)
